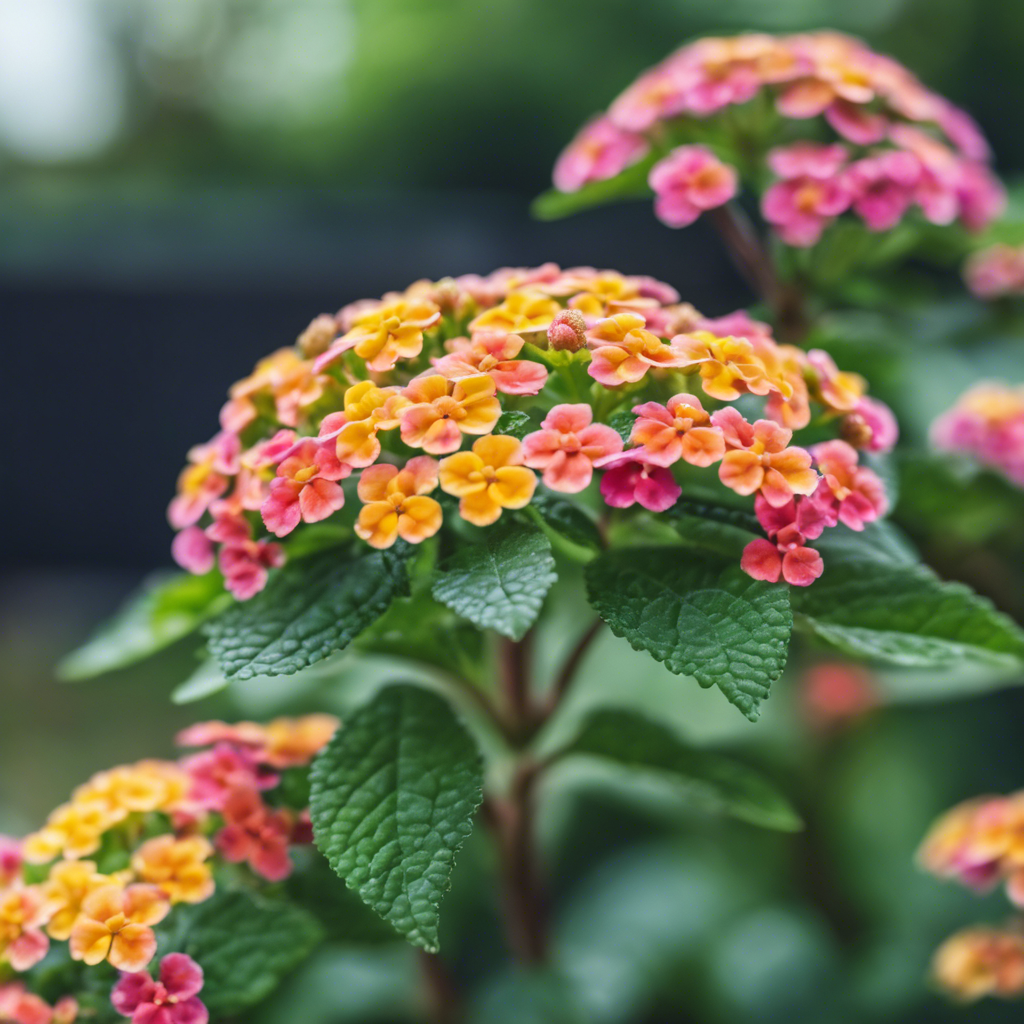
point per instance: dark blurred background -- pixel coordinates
(185, 183)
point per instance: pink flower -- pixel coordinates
(785, 554)
(218, 772)
(963, 131)
(630, 478)
(996, 271)
(807, 160)
(738, 324)
(204, 479)
(622, 350)
(681, 429)
(857, 124)
(495, 355)
(854, 493)
(567, 446)
(801, 208)
(660, 92)
(174, 999)
(690, 180)
(874, 421)
(254, 833)
(305, 489)
(193, 550)
(600, 150)
(10, 860)
(243, 561)
(883, 187)
(982, 197)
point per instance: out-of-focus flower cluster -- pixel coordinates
(404, 397)
(996, 271)
(988, 424)
(135, 841)
(870, 138)
(980, 843)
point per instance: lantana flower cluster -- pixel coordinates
(838, 128)
(134, 842)
(987, 423)
(404, 400)
(980, 843)
(996, 271)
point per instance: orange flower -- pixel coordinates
(386, 333)
(289, 381)
(116, 925)
(729, 367)
(442, 411)
(981, 962)
(23, 912)
(145, 786)
(622, 351)
(288, 742)
(368, 408)
(177, 867)
(522, 312)
(396, 503)
(488, 479)
(74, 829)
(69, 882)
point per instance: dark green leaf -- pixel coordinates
(310, 609)
(393, 798)
(725, 531)
(623, 422)
(501, 583)
(204, 682)
(567, 519)
(700, 615)
(629, 739)
(161, 612)
(514, 423)
(630, 184)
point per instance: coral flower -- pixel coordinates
(690, 180)
(245, 562)
(291, 742)
(785, 554)
(10, 860)
(174, 999)
(21, 1007)
(630, 478)
(217, 772)
(23, 912)
(801, 208)
(488, 479)
(193, 550)
(116, 925)
(874, 425)
(883, 187)
(729, 367)
(384, 334)
(622, 351)
(176, 866)
(205, 479)
(495, 355)
(855, 493)
(758, 459)
(440, 413)
(306, 488)
(68, 884)
(522, 312)
(679, 430)
(995, 271)
(980, 962)
(600, 150)
(836, 389)
(289, 382)
(567, 445)
(397, 504)
(660, 92)
(255, 834)
(367, 410)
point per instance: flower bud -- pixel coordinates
(568, 331)
(317, 337)
(855, 430)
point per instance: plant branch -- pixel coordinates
(521, 716)
(444, 1006)
(569, 668)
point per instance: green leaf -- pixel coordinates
(310, 609)
(501, 583)
(514, 423)
(630, 184)
(392, 801)
(725, 531)
(629, 739)
(567, 519)
(873, 602)
(700, 615)
(204, 682)
(623, 422)
(162, 611)
(246, 944)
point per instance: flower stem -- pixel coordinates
(443, 1004)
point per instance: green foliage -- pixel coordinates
(514, 423)
(246, 943)
(309, 609)
(204, 682)
(393, 798)
(874, 602)
(725, 531)
(501, 583)
(700, 615)
(162, 611)
(630, 184)
(626, 738)
(567, 519)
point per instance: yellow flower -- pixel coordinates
(488, 479)
(442, 411)
(68, 884)
(521, 313)
(397, 504)
(177, 867)
(391, 331)
(116, 925)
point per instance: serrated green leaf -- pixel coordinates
(501, 583)
(514, 423)
(309, 610)
(873, 602)
(567, 519)
(161, 612)
(392, 800)
(725, 531)
(623, 422)
(246, 944)
(699, 615)
(627, 738)
(630, 184)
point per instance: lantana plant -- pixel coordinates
(474, 477)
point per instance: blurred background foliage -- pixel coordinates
(184, 184)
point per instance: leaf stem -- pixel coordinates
(444, 1005)
(570, 667)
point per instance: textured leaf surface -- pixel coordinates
(567, 519)
(310, 609)
(633, 741)
(514, 423)
(700, 615)
(725, 531)
(392, 801)
(160, 613)
(501, 583)
(246, 944)
(873, 601)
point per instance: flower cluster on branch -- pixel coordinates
(987, 423)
